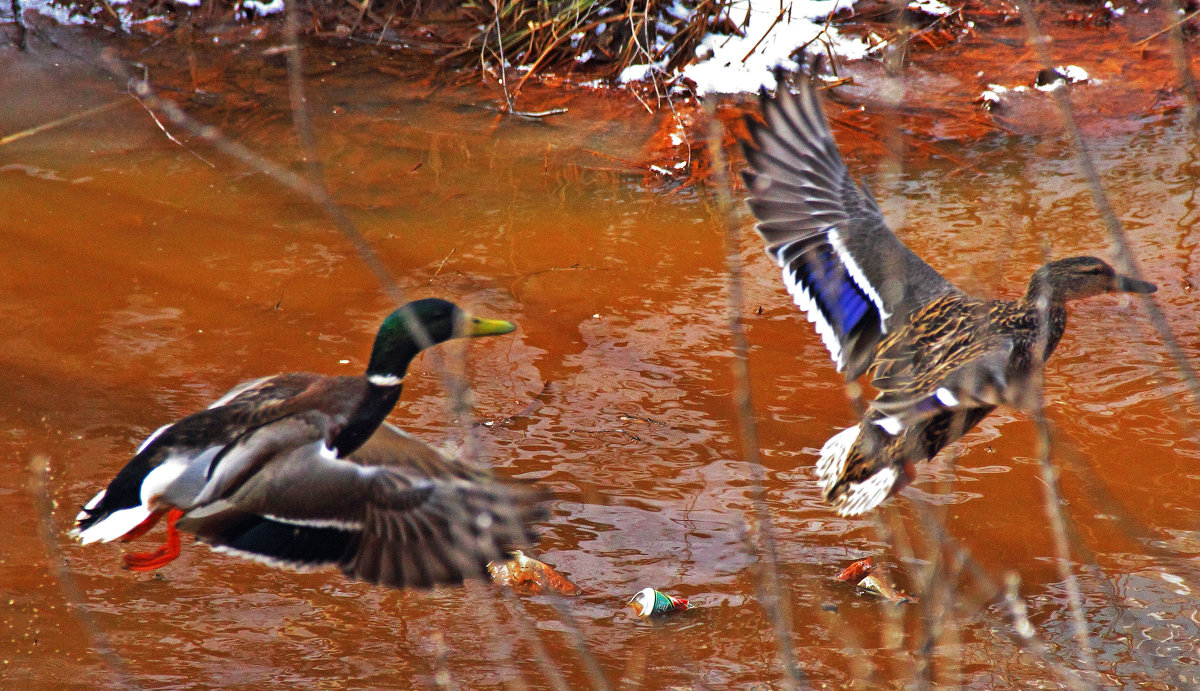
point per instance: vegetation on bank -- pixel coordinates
(598, 37)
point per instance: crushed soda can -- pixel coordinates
(879, 588)
(652, 603)
(530, 576)
(856, 571)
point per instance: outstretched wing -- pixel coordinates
(396, 512)
(840, 261)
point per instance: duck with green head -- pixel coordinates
(300, 470)
(940, 359)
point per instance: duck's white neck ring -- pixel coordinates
(385, 380)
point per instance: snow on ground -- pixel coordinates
(262, 9)
(62, 15)
(772, 32)
(933, 7)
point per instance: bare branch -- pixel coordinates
(771, 593)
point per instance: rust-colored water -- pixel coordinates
(139, 283)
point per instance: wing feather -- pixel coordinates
(803, 197)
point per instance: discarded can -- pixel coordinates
(528, 575)
(875, 586)
(651, 603)
(856, 571)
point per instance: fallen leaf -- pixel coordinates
(856, 571)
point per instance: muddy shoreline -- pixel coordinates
(963, 77)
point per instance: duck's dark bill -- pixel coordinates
(1126, 284)
(489, 327)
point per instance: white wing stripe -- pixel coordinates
(339, 524)
(947, 397)
(890, 424)
(857, 275)
(269, 561)
(804, 301)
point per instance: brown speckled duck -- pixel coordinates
(299, 470)
(941, 360)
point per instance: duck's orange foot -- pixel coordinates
(142, 528)
(149, 561)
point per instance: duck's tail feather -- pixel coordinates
(854, 473)
(98, 522)
(834, 454)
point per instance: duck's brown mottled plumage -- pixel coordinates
(941, 360)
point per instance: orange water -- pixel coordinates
(139, 283)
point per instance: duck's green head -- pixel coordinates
(1081, 277)
(419, 325)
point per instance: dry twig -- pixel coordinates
(774, 601)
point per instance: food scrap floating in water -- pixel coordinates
(652, 603)
(856, 571)
(530, 576)
(880, 588)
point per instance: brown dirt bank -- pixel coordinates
(926, 81)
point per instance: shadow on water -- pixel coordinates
(141, 282)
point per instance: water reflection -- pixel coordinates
(141, 292)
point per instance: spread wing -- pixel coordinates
(840, 261)
(395, 512)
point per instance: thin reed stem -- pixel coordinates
(774, 601)
(39, 490)
(1124, 258)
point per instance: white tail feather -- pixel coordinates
(861, 497)
(834, 453)
(115, 525)
(858, 497)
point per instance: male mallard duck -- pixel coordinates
(941, 360)
(296, 470)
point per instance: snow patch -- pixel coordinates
(635, 73)
(933, 7)
(1065, 74)
(262, 9)
(737, 64)
(1073, 73)
(994, 93)
(62, 15)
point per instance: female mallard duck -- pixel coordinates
(296, 470)
(941, 360)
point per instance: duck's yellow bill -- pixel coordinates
(489, 327)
